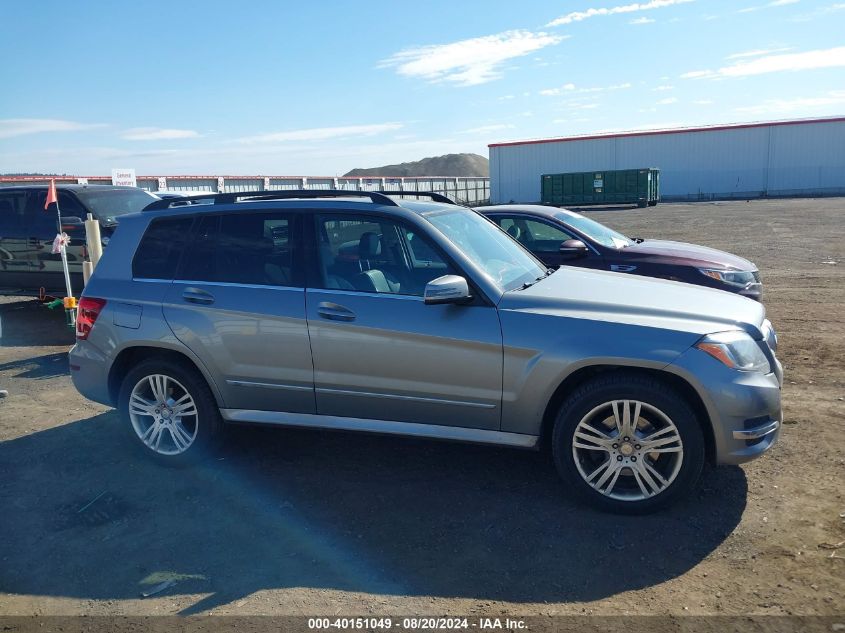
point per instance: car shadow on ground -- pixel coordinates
(38, 367)
(26, 321)
(86, 517)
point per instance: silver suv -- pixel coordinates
(362, 312)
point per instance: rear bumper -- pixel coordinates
(89, 372)
(744, 407)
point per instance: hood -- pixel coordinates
(631, 299)
(688, 254)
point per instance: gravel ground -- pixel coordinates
(297, 522)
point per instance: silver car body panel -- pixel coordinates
(388, 427)
(400, 359)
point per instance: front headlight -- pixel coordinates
(734, 278)
(736, 349)
(770, 335)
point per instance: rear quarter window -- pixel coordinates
(158, 253)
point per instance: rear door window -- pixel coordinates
(158, 254)
(12, 214)
(244, 248)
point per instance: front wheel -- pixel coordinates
(628, 443)
(169, 411)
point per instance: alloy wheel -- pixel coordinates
(627, 450)
(163, 414)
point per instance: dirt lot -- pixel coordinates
(295, 522)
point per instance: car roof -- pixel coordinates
(340, 204)
(532, 209)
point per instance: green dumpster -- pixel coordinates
(624, 186)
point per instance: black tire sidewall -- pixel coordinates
(629, 387)
(208, 418)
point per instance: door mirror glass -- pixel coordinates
(447, 289)
(573, 248)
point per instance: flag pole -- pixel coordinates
(69, 302)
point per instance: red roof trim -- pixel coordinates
(712, 128)
(74, 178)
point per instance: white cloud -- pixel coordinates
(551, 92)
(484, 129)
(642, 20)
(157, 134)
(570, 88)
(506, 97)
(788, 106)
(809, 60)
(775, 3)
(468, 62)
(20, 127)
(578, 16)
(322, 133)
(703, 102)
(668, 101)
(757, 53)
(663, 88)
(820, 12)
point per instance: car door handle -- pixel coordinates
(335, 312)
(195, 295)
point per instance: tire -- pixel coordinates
(621, 475)
(188, 429)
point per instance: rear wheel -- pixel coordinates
(169, 411)
(628, 443)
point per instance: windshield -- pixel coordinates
(597, 232)
(504, 261)
(107, 204)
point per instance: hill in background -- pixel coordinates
(446, 165)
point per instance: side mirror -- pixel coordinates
(446, 289)
(573, 248)
(71, 222)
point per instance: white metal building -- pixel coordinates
(805, 157)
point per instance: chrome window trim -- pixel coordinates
(223, 284)
(361, 293)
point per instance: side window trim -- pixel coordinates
(315, 280)
(311, 238)
(295, 243)
(182, 252)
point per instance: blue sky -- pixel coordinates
(277, 88)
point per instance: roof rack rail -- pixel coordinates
(436, 197)
(227, 198)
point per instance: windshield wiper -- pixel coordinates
(528, 284)
(637, 240)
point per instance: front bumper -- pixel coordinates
(744, 408)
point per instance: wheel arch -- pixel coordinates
(134, 354)
(674, 381)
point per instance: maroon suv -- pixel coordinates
(557, 236)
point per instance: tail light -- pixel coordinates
(86, 314)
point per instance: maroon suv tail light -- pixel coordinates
(86, 314)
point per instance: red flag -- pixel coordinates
(51, 194)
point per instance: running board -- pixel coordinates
(387, 427)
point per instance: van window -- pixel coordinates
(158, 253)
(12, 208)
(242, 248)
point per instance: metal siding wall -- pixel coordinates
(807, 158)
(811, 153)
